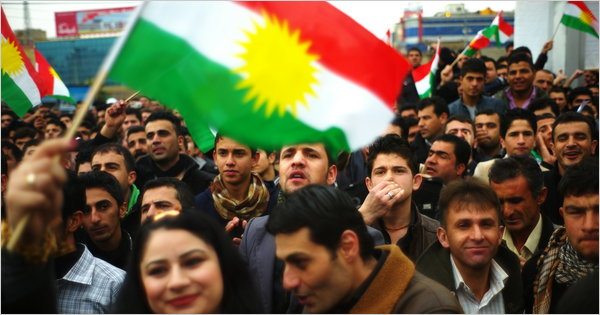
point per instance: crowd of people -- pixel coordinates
(480, 199)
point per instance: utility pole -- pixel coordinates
(27, 17)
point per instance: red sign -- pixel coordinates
(76, 23)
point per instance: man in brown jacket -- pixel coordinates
(331, 266)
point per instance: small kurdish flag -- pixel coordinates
(578, 16)
(264, 73)
(51, 84)
(424, 75)
(20, 85)
(499, 30)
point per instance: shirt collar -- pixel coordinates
(530, 244)
(498, 278)
(83, 270)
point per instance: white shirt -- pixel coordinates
(492, 301)
(530, 245)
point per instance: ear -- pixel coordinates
(542, 196)
(443, 237)
(123, 210)
(331, 174)
(131, 177)
(180, 141)
(501, 231)
(594, 145)
(369, 183)
(460, 169)
(444, 118)
(417, 180)
(502, 143)
(214, 155)
(349, 247)
(561, 210)
(255, 158)
(74, 221)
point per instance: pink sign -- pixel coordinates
(76, 23)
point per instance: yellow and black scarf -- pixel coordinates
(252, 206)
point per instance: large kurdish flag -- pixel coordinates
(20, 88)
(265, 73)
(578, 16)
(499, 30)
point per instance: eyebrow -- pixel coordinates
(188, 253)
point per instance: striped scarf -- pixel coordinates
(252, 206)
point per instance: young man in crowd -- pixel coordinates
(162, 194)
(487, 136)
(433, 114)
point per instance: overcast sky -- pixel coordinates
(376, 16)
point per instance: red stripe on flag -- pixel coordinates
(45, 77)
(504, 26)
(479, 42)
(344, 46)
(422, 71)
(581, 5)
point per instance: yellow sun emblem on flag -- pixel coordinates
(278, 70)
(12, 63)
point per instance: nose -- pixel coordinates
(229, 161)
(476, 233)
(290, 279)
(178, 279)
(521, 139)
(298, 159)
(590, 221)
(94, 216)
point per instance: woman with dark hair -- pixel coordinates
(183, 262)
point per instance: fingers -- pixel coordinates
(236, 241)
(232, 224)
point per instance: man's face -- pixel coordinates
(430, 124)
(393, 168)
(6, 120)
(131, 120)
(84, 132)
(472, 84)
(22, 141)
(441, 162)
(521, 210)
(264, 162)
(472, 234)
(580, 214)
(158, 200)
(52, 131)
(101, 219)
(234, 161)
(573, 142)
(66, 120)
(559, 98)
(543, 80)
(589, 77)
(544, 127)
(318, 278)
(581, 99)
(519, 138)
(414, 58)
(520, 76)
(304, 164)
(490, 73)
(137, 144)
(114, 164)
(502, 72)
(408, 113)
(163, 141)
(462, 130)
(412, 133)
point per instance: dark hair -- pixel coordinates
(326, 212)
(520, 50)
(4, 168)
(438, 103)
(581, 90)
(31, 143)
(543, 116)
(165, 115)
(414, 48)
(135, 129)
(544, 102)
(520, 57)
(104, 181)
(508, 44)
(25, 132)
(406, 124)
(17, 153)
(517, 114)
(501, 60)
(239, 294)
(487, 59)
(118, 149)
(470, 191)
(570, 117)
(84, 154)
(408, 107)
(462, 119)
(397, 121)
(462, 149)
(56, 122)
(134, 111)
(515, 166)
(557, 89)
(391, 144)
(183, 192)
(220, 136)
(489, 112)
(73, 196)
(580, 179)
(473, 65)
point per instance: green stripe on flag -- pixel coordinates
(204, 91)
(576, 23)
(14, 96)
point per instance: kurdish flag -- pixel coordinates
(499, 30)
(264, 73)
(20, 86)
(578, 16)
(51, 84)
(424, 75)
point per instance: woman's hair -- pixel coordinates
(239, 294)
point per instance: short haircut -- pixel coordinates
(438, 103)
(408, 107)
(391, 144)
(462, 149)
(520, 50)
(25, 132)
(581, 90)
(326, 212)
(544, 102)
(473, 65)
(220, 136)
(470, 191)
(17, 153)
(135, 129)
(501, 61)
(118, 149)
(84, 154)
(515, 166)
(406, 124)
(543, 116)
(31, 143)
(547, 72)
(397, 121)
(462, 119)
(134, 111)
(571, 117)
(516, 114)
(165, 115)
(73, 196)
(104, 181)
(486, 59)
(489, 112)
(56, 122)
(558, 89)
(520, 57)
(183, 191)
(580, 179)
(414, 48)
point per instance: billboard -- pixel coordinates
(100, 21)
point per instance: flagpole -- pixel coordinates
(555, 30)
(83, 109)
